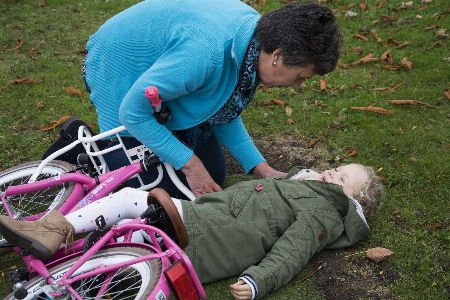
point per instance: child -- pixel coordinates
(264, 230)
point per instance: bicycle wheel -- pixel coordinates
(29, 204)
(134, 282)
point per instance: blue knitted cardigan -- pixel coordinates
(191, 50)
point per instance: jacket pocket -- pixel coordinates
(241, 200)
(307, 196)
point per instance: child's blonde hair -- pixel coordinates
(369, 194)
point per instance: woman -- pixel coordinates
(206, 58)
(263, 230)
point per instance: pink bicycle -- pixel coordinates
(98, 266)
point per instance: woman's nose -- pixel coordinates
(298, 83)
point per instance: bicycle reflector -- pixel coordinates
(181, 282)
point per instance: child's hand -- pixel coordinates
(241, 291)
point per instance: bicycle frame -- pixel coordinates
(169, 257)
(87, 190)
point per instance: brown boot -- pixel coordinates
(42, 237)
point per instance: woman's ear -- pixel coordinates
(276, 55)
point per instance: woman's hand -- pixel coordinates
(198, 178)
(263, 170)
(241, 291)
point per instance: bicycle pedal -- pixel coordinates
(92, 238)
(19, 275)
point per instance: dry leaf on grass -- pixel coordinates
(26, 81)
(402, 45)
(54, 124)
(361, 37)
(406, 63)
(272, 102)
(432, 26)
(409, 102)
(386, 56)
(20, 41)
(392, 68)
(377, 38)
(447, 93)
(379, 254)
(437, 43)
(72, 91)
(350, 153)
(288, 111)
(323, 84)
(313, 142)
(318, 103)
(374, 109)
(42, 4)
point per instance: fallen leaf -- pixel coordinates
(288, 111)
(392, 68)
(432, 26)
(442, 33)
(20, 41)
(377, 38)
(447, 93)
(313, 142)
(391, 42)
(434, 226)
(323, 84)
(72, 91)
(42, 4)
(26, 81)
(54, 124)
(406, 63)
(317, 103)
(361, 37)
(272, 102)
(379, 254)
(41, 104)
(363, 6)
(386, 20)
(350, 153)
(342, 65)
(409, 102)
(374, 109)
(402, 45)
(368, 58)
(437, 43)
(386, 56)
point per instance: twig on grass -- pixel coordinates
(310, 274)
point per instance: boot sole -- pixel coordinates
(37, 250)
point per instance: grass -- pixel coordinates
(410, 149)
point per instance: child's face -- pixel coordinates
(349, 176)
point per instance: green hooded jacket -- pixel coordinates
(268, 229)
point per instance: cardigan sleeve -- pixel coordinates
(311, 232)
(235, 138)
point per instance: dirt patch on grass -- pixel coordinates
(344, 273)
(285, 152)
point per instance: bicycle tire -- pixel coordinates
(29, 204)
(138, 279)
